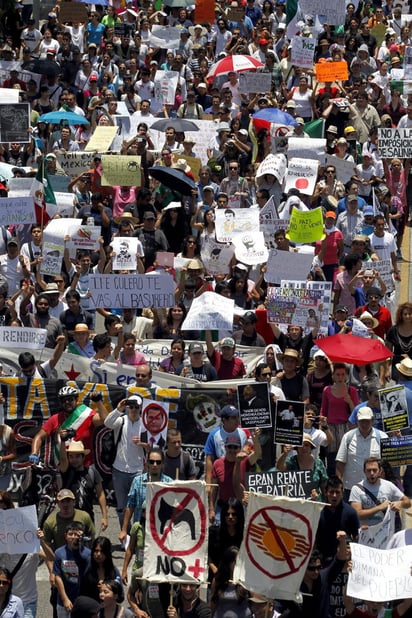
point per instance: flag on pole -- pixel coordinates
(44, 198)
(277, 544)
(291, 18)
(315, 128)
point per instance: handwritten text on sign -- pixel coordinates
(18, 531)
(16, 210)
(132, 291)
(395, 143)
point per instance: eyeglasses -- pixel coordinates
(154, 462)
(265, 375)
(330, 171)
(142, 375)
(233, 168)
(232, 447)
(59, 281)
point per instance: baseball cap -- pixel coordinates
(233, 438)
(196, 347)
(228, 342)
(330, 214)
(229, 411)
(149, 215)
(249, 317)
(365, 414)
(136, 398)
(65, 493)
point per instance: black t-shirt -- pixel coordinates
(82, 483)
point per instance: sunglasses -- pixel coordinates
(314, 568)
(154, 462)
(142, 375)
(265, 375)
(5, 582)
(232, 447)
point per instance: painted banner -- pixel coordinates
(301, 174)
(15, 123)
(232, 221)
(289, 419)
(121, 170)
(250, 248)
(379, 535)
(394, 408)
(290, 265)
(125, 250)
(395, 143)
(132, 291)
(254, 405)
(306, 227)
(288, 484)
(177, 537)
(17, 210)
(303, 49)
(101, 139)
(254, 82)
(332, 71)
(27, 338)
(76, 163)
(307, 148)
(293, 306)
(380, 575)
(210, 311)
(277, 543)
(18, 531)
(397, 451)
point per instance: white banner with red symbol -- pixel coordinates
(277, 543)
(176, 532)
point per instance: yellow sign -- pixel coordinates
(331, 71)
(194, 162)
(305, 227)
(121, 170)
(101, 139)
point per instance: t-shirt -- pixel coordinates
(382, 490)
(70, 566)
(83, 484)
(84, 432)
(55, 526)
(227, 370)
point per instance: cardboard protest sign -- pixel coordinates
(18, 530)
(300, 307)
(254, 81)
(307, 148)
(125, 249)
(232, 221)
(250, 248)
(288, 423)
(195, 164)
(165, 84)
(274, 164)
(132, 291)
(17, 210)
(279, 137)
(210, 311)
(155, 419)
(216, 257)
(407, 62)
(394, 408)
(64, 205)
(73, 11)
(254, 405)
(397, 451)
(201, 138)
(101, 140)
(176, 541)
(322, 291)
(59, 183)
(331, 71)
(395, 143)
(332, 11)
(306, 227)
(384, 268)
(296, 484)
(16, 337)
(303, 49)
(380, 575)
(280, 266)
(379, 535)
(83, 237)
(76, 163)
(15, 122)
(121, 170)
(379, 32)
(344, 169)
(301, 174)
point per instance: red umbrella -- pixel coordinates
(355, 350)
(236, 63)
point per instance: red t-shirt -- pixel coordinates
(83, 433)
(222, 471)
(227, 370)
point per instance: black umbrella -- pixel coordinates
(42, 67)
(173, 179)
(180, 125)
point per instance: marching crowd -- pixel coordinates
(104, 70)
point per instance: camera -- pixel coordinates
(70, 433)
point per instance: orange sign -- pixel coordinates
(331, 71)
(204, 11)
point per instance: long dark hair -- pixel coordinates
(224, 572)
(106, 546)
(237, 506)
(7, 575)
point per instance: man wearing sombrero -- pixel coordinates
(292, 383)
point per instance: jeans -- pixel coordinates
(121, 484)
(30, 609)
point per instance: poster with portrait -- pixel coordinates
(124, 249)
(289, 417)
(155, 419)
(254, 405)
(15, 123)
(394, 408)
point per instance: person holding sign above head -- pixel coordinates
(227, 365)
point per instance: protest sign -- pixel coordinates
(73, 11)
(301, 174)
(254, 405)
(15, 122)
(165, 84)
(300, 307)
(64, 205)
(274, 164)
(25, 76)
(397, 450)
(331, 71)
(235, 13)
(210, 311)
(232, 221)
(394, 408)
(291, 484)
(395, 143)
(205, 11)
(76, 163)
(380, 575)
(307, 148)
(278, 539)
(344, 169)
(332, 11)
(379, 535)
(9, 95)
(165, 259)
(323, 292)
(279, 136)
(52, 257)
(7, 174)
(82, 237)
(201, 138)
(282, 266)
(303, 49)
(289, 418)
(384, 268)
(176, 540)
(18, 530)
(250, 248)
(407, 62)
(155, 419)
(121, 170)
(59, 183)
(306, 227)
(132, 291)
(125, 249)
(165, 38)
(18, 210)
(379, 32)
(216, 257)
(102, 139)
(254, 81)
(16, 337)
(195, 164)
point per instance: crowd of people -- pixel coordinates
(105, 70)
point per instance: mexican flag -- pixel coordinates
(315, 128)
(44, 199)
(291, 18)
